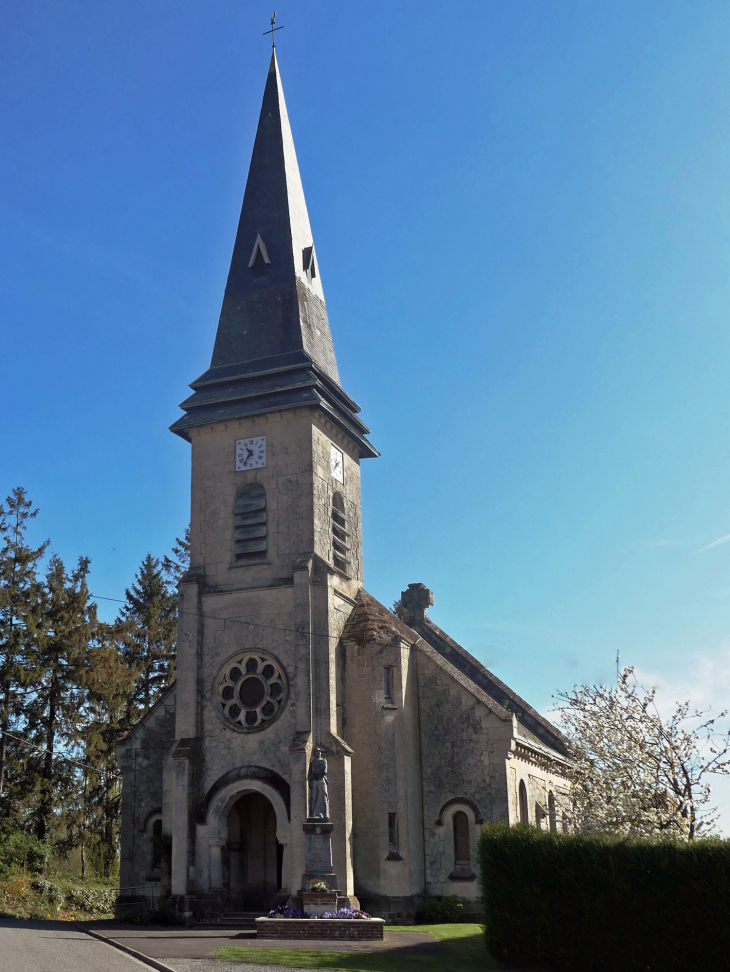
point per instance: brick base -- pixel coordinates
(303, 929)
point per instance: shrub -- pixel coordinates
(47, 889)
(596, 904)
(22, 851)
(94, 901)
(448, 910)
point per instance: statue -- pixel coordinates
(319, 805)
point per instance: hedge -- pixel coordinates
(570, 903)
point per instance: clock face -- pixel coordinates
(337, 466)
(251, 453)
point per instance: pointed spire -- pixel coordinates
(273, 348)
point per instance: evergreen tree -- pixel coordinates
(66, 629)
(174, 567)
(149, 620)
(108, 684)
(20, 614)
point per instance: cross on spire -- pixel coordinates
(272, 31)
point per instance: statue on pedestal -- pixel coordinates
(319, 805)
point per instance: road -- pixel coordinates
(56, 946)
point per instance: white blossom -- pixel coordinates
(635, 773)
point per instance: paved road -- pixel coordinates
(56, 946)
(168, 944)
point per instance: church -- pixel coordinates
(313, 737)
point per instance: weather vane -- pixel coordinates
(273, 29)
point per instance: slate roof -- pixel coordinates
(370, 616)
(273, 348)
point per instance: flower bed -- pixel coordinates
(284, 911)
(333, 927)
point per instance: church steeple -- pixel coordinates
(273, 348)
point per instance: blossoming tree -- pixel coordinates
(636, 773)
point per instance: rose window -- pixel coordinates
(251, 689)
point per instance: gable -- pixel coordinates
(372, 620)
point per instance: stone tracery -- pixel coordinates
(251, 690)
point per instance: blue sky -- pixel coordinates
(522, 218)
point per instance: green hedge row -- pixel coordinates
(595, 904)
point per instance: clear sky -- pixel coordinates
(522, 218)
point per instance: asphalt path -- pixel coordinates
(56, 946)
(169, 944)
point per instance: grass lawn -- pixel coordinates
(461, 947)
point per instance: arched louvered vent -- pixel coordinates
(249, 524)
(340, 535)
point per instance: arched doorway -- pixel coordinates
(252, 858)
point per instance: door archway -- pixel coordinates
(218, 845)
(253, 856)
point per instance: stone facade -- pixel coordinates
(281, 651)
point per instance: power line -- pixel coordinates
(57, 755)
(210, 617)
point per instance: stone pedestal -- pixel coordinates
(318, 902)
(318, 855)
(318, 863)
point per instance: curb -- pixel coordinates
(153, 963)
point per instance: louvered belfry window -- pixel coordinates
(340, 535)
(249, 524)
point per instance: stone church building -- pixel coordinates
(311, 733)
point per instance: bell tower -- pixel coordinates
(275, 555)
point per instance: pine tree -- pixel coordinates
(108, 684)
(67, 626)
(20, 613)
(149, 618)
(174, 567)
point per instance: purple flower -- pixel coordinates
(345, 913)
(284, 911)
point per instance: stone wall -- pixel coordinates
(464, 745)
(143, 759)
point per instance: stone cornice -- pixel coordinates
(530, 751)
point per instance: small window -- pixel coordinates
(393, 833)
(388, 683)
(259, 258)
(552, 816)
(462, 851)
(308, 261)
(156, 834)
(249, 524)
(524, 808)
(340, 534)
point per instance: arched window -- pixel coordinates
(524, 807)
(551, 812)
(249, 524)
(340, 535)
(462, 851)
(156, 834)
